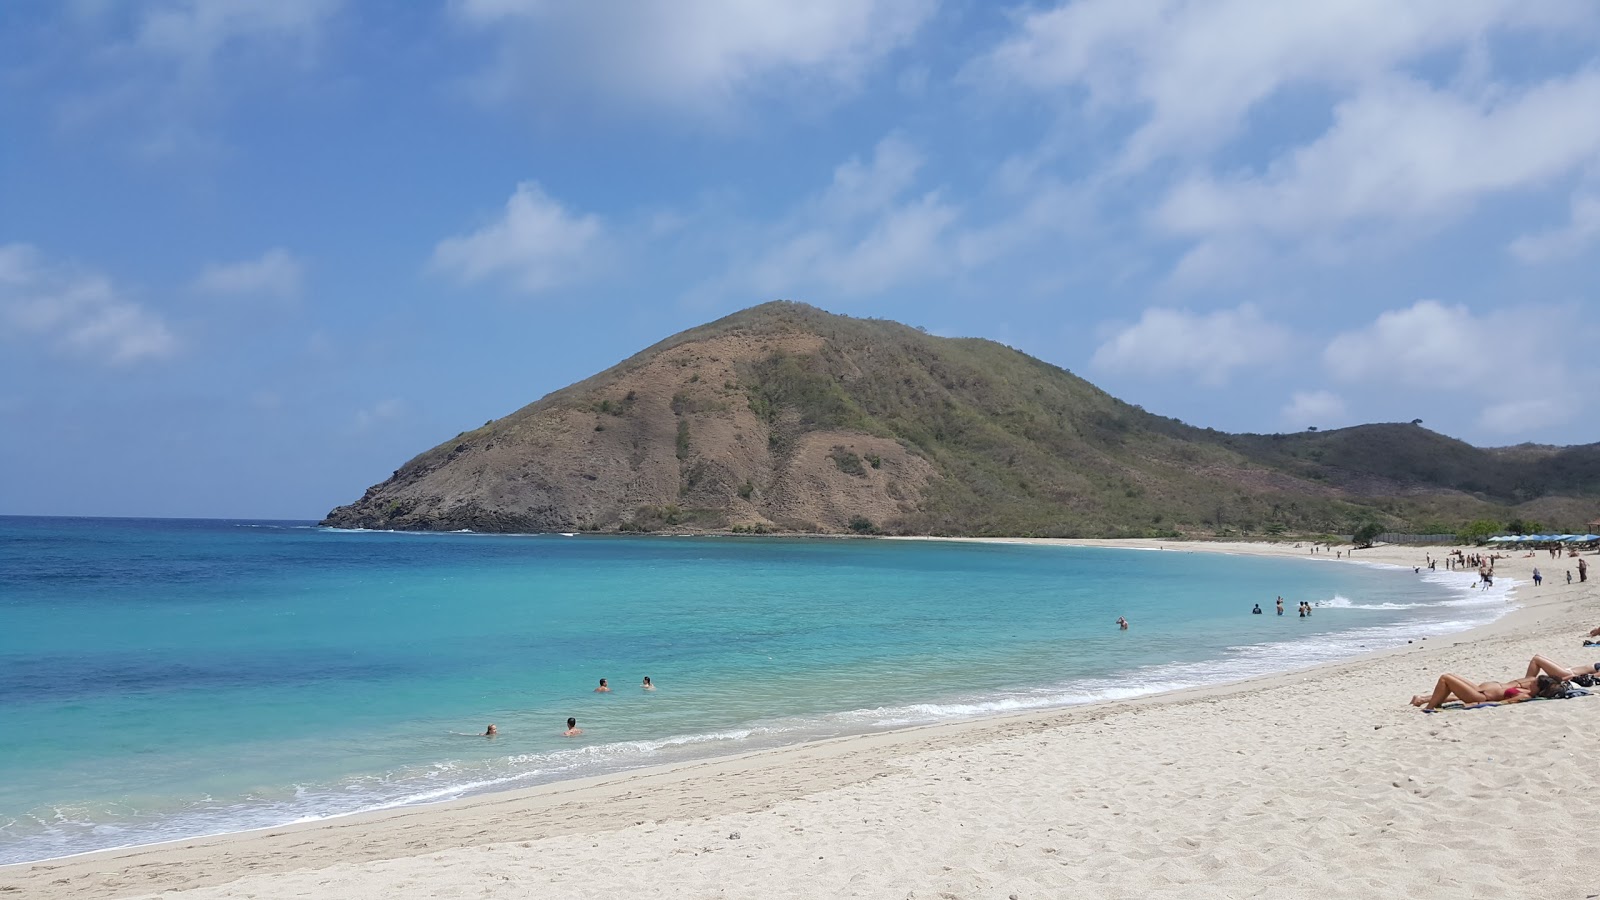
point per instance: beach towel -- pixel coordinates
(1457, 704)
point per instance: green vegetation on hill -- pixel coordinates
(1016, 447)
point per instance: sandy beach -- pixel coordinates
(1322, 783)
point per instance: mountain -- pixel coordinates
(787, 418)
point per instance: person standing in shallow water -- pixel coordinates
(647, 684)
(572, 728)
(1280, 606)
(603, 688)
(1122, 623)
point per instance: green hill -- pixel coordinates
(783, 417)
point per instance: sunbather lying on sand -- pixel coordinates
(1454, 687)
(1545, 679)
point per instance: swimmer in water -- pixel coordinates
(491, 731)
(603, 688)
(572, 728)
(1122, 623)
(647, 685)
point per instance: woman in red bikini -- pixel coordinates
(1454, 687)
(1543, 676)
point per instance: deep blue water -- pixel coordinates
(168, 678)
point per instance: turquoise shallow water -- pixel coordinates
(169, 678)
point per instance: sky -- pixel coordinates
(256, 254)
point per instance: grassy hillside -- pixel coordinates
(785, 417)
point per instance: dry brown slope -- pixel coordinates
(666, 440)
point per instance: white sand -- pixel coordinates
(1319, 784)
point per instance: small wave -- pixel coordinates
(1340, 601)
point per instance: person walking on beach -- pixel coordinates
(1583, 570)
(572, 728)
(603, 688)
(1537, 578)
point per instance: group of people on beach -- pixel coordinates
(572, 721)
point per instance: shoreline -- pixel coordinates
(764, 780)
(1044, 707)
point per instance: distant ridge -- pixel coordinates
(786, 418)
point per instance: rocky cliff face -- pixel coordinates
(786, 418)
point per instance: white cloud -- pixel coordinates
(276, 273)
(1527, 412)
(1401, 150)
(77, 313)
(377, 414)
(1422, 125)
(1582, 229)
(1505, 360)
(157, 71)
(1195, 70)
(193, 33)
(1208, 346)
(867, 232)
(866, 188)
(1321, 409)
(1423, 344)
(701, 56)
(536, 245)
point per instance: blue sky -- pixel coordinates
(255, 254)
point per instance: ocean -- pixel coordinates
(162, 679)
